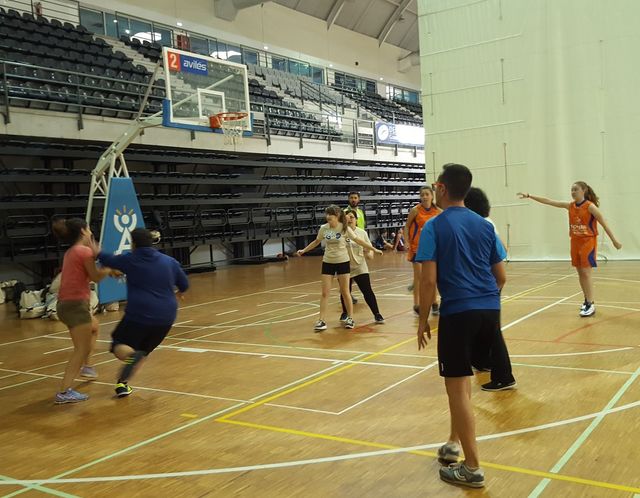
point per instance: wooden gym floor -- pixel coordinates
(243, 399)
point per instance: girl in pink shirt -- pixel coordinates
(78, 269)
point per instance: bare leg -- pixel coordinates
(343, 280)
(462, 419)
(325, 283)
(417, 272)
(81, 337)
(95, 328)
(586, 282)
(128, 354)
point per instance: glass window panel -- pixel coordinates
(163, 35)
(294, 67)
(111, 26)
(199, 45)
(140, 30)
(303, 69)
(317, 73)
(213, 47)
(221, 51)
(234, 54)
(371, 86)
(250, 57)
(92, 20)
(279, 63)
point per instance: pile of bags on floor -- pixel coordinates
(42, 303)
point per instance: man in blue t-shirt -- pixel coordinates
(460, 251)
(151, 302)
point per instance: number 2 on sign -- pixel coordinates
(174, 61)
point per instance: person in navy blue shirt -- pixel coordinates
(152, 278)
(461, 253)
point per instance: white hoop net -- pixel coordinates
(232, 130)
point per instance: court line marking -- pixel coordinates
(224, 313)
(170, 432)
(51, 334)
(418, 450)
(538, 311)
(300, 296)
(42, 489)
(554, 355)
(61, 349)
(564, 459)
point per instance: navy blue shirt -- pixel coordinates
(465, 247)
(151, 279)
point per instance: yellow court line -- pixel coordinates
(364, 360)
(432, 454)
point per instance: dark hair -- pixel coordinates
(351, 211)
(336, 211)
(141, 237)
(589, 194)
(68, 231)
(426, 187)
(478, 202)
(353, 192)
(457, 178)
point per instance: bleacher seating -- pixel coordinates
(378, 105)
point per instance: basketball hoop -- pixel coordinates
(232, 125)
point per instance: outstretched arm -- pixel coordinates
(310, 247)
(598, 216)
(364, 243)
(544, 200)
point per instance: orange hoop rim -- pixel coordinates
(216, 120)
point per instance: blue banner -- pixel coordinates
(391, 133)
(194, 65)
(122, 215)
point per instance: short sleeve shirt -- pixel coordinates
(465, 247)
(335, 250)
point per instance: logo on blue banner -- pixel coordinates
(194, 65)
(122, 216)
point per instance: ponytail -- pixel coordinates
(69, 230)
(338, 213)
(589, 194)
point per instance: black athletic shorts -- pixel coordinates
(139, 337)
(336, 268)
(463, 337)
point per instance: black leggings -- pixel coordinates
(364, 283)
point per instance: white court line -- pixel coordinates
(300, 296)
(50, 335)
(182, 323)
(265, 304)
(556, 367)
(582, 353)
(226, 312)
(618, 279)
(585, 435)
(388, 388)
(379, 279)
(58, 350)
(295, 463)
(516, 322)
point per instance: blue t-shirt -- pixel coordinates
(465, 247)
(151, 278)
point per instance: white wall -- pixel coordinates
(533, 96)
(286, 32)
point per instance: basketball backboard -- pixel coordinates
(198, 87)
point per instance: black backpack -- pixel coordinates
(18, 289)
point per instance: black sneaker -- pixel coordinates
(435, 309)
(379, 318)
(320, 326)
(349, 323)
(494, 386)
(123, 389)
(343, 317)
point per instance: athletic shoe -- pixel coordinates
(459, 473)
(343, 317)
(70, 396)
(88, 372)
(494, 386)
(349, 323)
(584, 305)
(320, 326)
(123, 389)
(416, 309)
(588, 309)
(435, 309)
(448, 453)
(379, 318)
(353, 300)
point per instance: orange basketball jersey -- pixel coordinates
(415, 228)
(581, 222)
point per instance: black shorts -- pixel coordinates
(139, 337)
(463, 337)
(336, 268)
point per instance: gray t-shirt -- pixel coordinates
(335, 250)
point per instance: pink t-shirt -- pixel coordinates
(74, 284)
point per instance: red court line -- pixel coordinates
(589, 325)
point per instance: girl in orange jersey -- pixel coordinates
(584, 217)
(418, 216)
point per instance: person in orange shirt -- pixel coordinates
(418, 216)
(584, 217)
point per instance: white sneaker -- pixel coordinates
(349, 323)
(588, 309)
(320, 326)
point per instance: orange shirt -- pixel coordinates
(581, 222)
(415, 228)
(74, 282)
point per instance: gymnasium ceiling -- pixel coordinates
(390, 21)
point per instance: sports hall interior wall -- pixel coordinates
(534, 96)
(286, 32)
